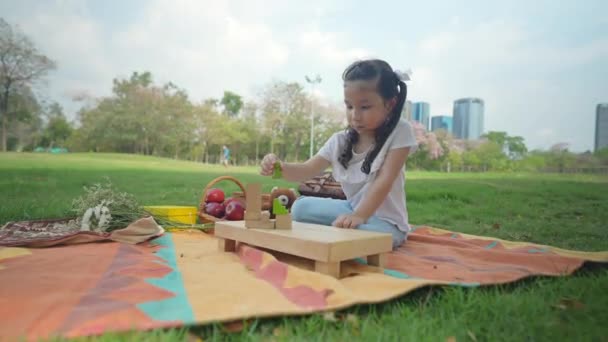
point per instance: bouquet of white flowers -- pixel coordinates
(98, 218)
(101, 208)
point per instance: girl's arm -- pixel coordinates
(382, 184)
(294, 172)
(377, 191)
(299, 172)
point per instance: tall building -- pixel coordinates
(601, 126)
(441, 122)
(468, 118)
(406, 113)
(421, 112)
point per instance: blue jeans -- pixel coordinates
(325, 210)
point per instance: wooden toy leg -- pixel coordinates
(329, 268)
(376, 260)
(283, 222)
(226, 245)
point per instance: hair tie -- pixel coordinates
(404, 75)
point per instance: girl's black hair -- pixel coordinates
(388, 86)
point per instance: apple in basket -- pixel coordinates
(215, 209)
(214, 195)
(235, 211)
(228, 200)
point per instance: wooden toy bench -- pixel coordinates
(327, 246)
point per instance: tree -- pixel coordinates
(430, 153)
(58, 129)
(232, 103)
(178, 116)
(21, 64)
(454, 160)
(534, 161)
(602, 155)
(330, 119)
(500, 138)
(513, 147)
(26, 124)
(250, 127)
(450, 158)
(491, 156)
(517, 148)
(470, 159)
(560, 158)
(285, 120)
(204, 114)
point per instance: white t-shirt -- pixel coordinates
(355, 183)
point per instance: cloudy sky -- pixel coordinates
(540, 67)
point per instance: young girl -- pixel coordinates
(368, 158)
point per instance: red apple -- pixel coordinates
(232, 199)
(215, 209)
(235, 211)
(214, 195)
(228, 200)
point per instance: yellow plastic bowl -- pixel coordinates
(175, 213)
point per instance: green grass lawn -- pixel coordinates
(568, 211)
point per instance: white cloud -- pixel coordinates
(526, 83)
(327, 48)
(62, 31)
(546, 133)
(205, 48)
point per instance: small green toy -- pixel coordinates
(278, 208)
(277, 173)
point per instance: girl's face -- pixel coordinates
(366, 110)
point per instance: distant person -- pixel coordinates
(368, 158)
(225, 156)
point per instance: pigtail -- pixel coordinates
(347, 154)
(384, 131)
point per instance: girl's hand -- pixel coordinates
(267, 165)
(348, 221)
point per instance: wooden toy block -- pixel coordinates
(253, 206)
(282, 221)
(264, 223)
(252, 215)
(260, 224)
(327, 246)
(254, 196)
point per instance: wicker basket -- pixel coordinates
(202, 215)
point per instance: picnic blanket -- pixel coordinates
(66, 231)
(182, 279)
